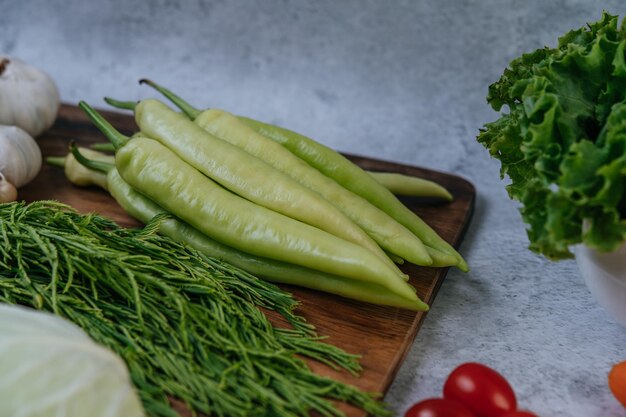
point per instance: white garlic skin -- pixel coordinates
(8, 192)
(20, 156)
(29, 98)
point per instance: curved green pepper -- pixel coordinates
(408, 185)
(77, 173)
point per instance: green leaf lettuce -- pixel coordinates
(562, 141)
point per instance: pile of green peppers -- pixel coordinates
(268, 200)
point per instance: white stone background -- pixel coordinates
(403, 81)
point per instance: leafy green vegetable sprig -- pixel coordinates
(187, 326)
(563, 141)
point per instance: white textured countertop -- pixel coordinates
(403, 81)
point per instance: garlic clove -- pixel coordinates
(8, 192)
(20, 156)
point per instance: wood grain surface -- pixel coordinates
(381, 335)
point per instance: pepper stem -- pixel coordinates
(113, 135)
(118, 104)
(187, 108)
(56, 161)
(89, 163)
(106, 147)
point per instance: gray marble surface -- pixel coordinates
(403, 81)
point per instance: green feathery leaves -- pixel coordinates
(188, 326)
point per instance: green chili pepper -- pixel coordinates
(409, 185)
(144, 210)
(389, 234)
(79, 174)
(159, 174)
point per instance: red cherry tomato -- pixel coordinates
(519, 413)
(481, 389)
(439, 407)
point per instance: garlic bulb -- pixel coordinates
(29, 98)
(20, 156)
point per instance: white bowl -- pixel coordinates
(605, 276)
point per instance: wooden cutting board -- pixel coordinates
(382, 335)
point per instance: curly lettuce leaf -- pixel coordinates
(563, 140)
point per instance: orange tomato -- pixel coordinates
(617, 382)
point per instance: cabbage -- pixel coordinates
(51, 368)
